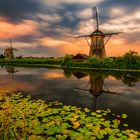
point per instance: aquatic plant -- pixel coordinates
(24, 118)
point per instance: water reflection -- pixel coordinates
(11, 70)
(130, 79)
(119, 91)
(95, 86)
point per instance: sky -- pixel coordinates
(43, 28)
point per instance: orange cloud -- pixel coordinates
(67, 46)
(118, 47)
(10, 30)
(18, 45)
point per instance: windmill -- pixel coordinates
(98, 39)
(96, 87)
(11, 71)
(9, 51)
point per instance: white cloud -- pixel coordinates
(57, 3)
(126, 18)
(125, 23)
(86, 27)
(84, 14)
(117, 11)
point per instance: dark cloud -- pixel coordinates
(17, 10)
(130, 3)
(105, 8)
(41, 51)
(27, 38)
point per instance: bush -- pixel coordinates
(131, 60)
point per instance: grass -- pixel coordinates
(27, 119)
(128, 62)
(70, 67)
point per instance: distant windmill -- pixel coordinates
(97, 37)
(9, 51)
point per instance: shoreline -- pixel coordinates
(70, 67)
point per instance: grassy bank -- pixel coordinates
(24, 118)
(129, 62)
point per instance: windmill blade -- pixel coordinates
(84, 91)
(106, 87)
(15, 49)
(97, 17)
(87, 85)
(93, 16)
(111, 92)
(107, 39)
(80, 89)
(110, 34)
(10, 42)
(108, 91)
(88, 42)
(95, 12)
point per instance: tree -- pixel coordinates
(131, 59)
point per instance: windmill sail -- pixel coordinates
(108, 34)
(9, 51)
(97, 37)
(95, 16)
(10, 42)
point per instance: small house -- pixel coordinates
(80, 57)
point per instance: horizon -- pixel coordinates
(47, 29)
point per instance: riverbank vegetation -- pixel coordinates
(25, 118)
(129, 61)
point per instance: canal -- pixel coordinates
(96, 90)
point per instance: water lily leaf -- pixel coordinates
(124, 116)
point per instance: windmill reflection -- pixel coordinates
(11, 70)
(95, 86)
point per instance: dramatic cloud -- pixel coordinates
(56, 3)
(9, 30)
(46, 28)
(17, 10)
(84, 14)
(69, 46)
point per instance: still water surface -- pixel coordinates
(95, 90)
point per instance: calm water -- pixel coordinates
(97, 90)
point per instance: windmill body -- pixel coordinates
(97, 47)
(98, 39)
(9, 51)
